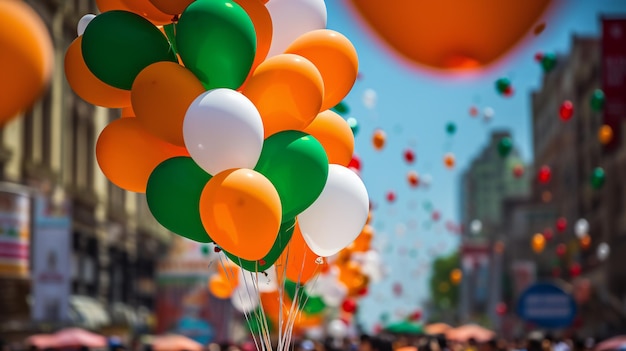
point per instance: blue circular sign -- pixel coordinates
(547, 305)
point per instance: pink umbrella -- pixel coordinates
(175, 343)
(42, 341)
(469, 331)
(614, 343)
(76, 337)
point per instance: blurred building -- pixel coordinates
(489, 179)
(115, 240)
(572, 150)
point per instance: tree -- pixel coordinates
(443, 292)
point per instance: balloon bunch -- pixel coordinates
(229, 130)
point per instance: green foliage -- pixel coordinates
(442, 297)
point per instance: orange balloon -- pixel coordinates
(451, 35)
(369, 217)
(413, 178)
(262, 21)
(161, 95)
(241, 209)
(128, 112)
(363, 242)
(147, 10)
(336, 59)
(378, 140)
(300, 260)
(585, 242)
(229, 271)
(605, 134)
(86, 85)
(455, 276)
(171, 7)
(220, 287)
(127, 153)
(538, 242)
(26, 58)
(335, 135)
(287, 90)
(352, 277)
(449, 160)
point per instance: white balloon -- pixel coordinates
(83, 23)
(336, 218)
(223, 130)
(265, 281)
(334, 294)
(488, 113)
(581, 228)
(603, 251)
(337, 329)
(245, 298)
(369, 98)
(427, 179)
(476, 226)
(291, 19)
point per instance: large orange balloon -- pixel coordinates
(241, 209)
(287, 90)
(172, 7)
(127, 153)
(26, 58)
(128, 112)
(143, 8)
(262, 21)
(363, 242)
(86, 85)
(335, 135)
(336, 59)
(450, 34)
(301, 264)
(353, 278)
(161, 94)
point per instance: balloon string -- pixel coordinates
(170, 33)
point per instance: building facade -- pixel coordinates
(50, 150)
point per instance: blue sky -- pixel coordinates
(413, 108)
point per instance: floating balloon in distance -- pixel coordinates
(220, 287)
(27, 58)
(260, 17)
(544, 175)
(115, 32)
(355, 163)
(473, 111)
(161, 95)
(297, 261)
(287, 90)
(291, 19)
(362, 243)
(378, 139)
(456, 275)
(603, 251)
(585, 242)
(467, 36)
(297, 166)
(391, 196)
(171, 7)
(369, 98)
(354, 125)
(216, 40)
(337, 216)
(581, 228)
(336, 59)
(413, 179)
(449, 160)
(538, 243)
(566, 111)
(83, 23)
(597, 100)
(87, 86)
(450, 128)
(240, 208)
(488, 114)
(223, 130)
(575, 270)
(518, 171)
(561, 224)
(502, 84)
(548, 234)
(605, 134)
(505, 145)
(436, 216)
(335, 135)
(476, 226)
(598, 177)
(409, 156)
(548, 61)
(127, 154)
(561, 250)
(173, 196)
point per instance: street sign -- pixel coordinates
(546, 305)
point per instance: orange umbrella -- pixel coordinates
(437, 328)
(175, 343)
(469, 331)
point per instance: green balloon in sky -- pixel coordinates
(117, 45)
(297, 164)
(505, 146)
(597, 100)
(598, 178)
(216, 41)
(173, 195)
(284, 236)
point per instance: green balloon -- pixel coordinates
(341, 108)
(117, 45)
(354, 125)
(216, 41)
(505, 146)
(548, 62)
(597, 178)
(502, 84)
(297, 165)
(284, 236)
(173, 194)
(255, 322)
(310, 305)
(597, 100)
(451, 128)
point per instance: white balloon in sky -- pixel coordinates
(369, 98)
(488, 113)
(427, 180)
(84, 22)
(603, 251)
(476, 226)
(337, 329)
(581, 228)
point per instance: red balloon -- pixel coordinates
(397, 289)
(391, 196)
(409, 156)
(473, 111)
(548, 234)
(538, 57)
(508, 92)
(348, 306)
(518, 171)
(378, 328)
(561, 249)
(416, 316)
(436, 215)
(355, 163)
(413, 179)
(566, 111)
(501, 308)
(561, 224)
(363, 292)
(575, 270)
(544, 175)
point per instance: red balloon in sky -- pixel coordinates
(538, 57)
(566, 111)
(561, 249)
(548, 234)
(415, 316)
(501, 308)
(409, 156)
(413, 179)
(348, 306)
(473, 111)
(544, 175)
(391, 196)
(508, 92)
(575, 270)
(436, 215)
(397, 289)
(355, 163)
(561, 224)
(518, 171)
